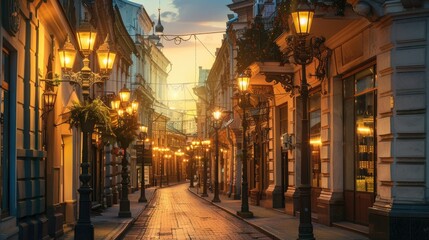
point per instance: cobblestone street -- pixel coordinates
(175, 213)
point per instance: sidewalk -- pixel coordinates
(278, 224)
(108, 225)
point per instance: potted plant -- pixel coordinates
(87, 114)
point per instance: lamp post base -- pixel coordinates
(124, 214)
(142, 199)
(245, 214)
(124, 209)
(84, 231)
(308, 236)
(216, 199)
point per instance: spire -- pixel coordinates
(159, 29)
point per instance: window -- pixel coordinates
(4, 129)
(315, 140)
(283, 119)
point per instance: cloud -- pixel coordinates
(167, 16)
(202, 10)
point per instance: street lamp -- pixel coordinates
(125, 131)
(85, 78)
(142, 138)
(168, 157)
(49, 97)
(243, 85)
(155, 149)
(185, 161)
(194, 146)
(216, 125)
(206, 145)
(178, 154)
(162, 152)
(190, 165)
(303, 54)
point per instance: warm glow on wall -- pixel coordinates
(316, 141)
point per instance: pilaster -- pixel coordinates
(401, 208)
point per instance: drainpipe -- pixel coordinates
(37, 116)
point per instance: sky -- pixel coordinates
(181, 17)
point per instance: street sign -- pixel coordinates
(147, 157)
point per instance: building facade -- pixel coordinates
(367, 118)
(41, 156)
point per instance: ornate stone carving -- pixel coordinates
(285, 79)
(11, 16)
(370, 9)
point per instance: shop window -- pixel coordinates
(315, 140)
(4, 129)
(359, 130)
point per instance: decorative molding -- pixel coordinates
(285, 79)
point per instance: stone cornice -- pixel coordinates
(353, 29)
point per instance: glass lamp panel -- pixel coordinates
(86, 40)
(120, 112)
(67, 59)
(243, 83)
(106, 60)
(116, 103)
(67, 55)
(135, 106)
(49, 99)
(125, 94)
(129, 110)
(217, 115)
(143, 129)
(302, 21)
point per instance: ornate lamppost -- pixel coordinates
(168, 165)
(303, 54)
(303, 51)
(85, 78)
(162, 152)
(142, 138)
(206, 148)
(216, 125)
(178, 155)
(161, 165)
(243, 85)
(155, 149)
(194, 146)
(126, 132)
(190, 152)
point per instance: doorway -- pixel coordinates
(359, 144)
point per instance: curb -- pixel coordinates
(272, 236)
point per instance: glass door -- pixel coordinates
(315, 144)
(359, 144)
